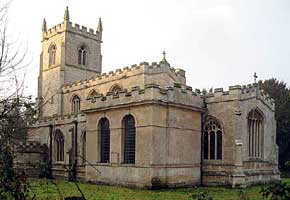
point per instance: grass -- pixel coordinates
(46, 190)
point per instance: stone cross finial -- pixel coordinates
(164, 61)
(100, 26)
(66, 14)
(164, 54)
(255, 77)
(44, 28)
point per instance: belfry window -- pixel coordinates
(255, 133)
(59, 146)
(76, 104)
(104, 138)
(212, 140)
(129, 139)
(52, 53)
(82, 55)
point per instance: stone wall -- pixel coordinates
(29, 158)
(232, 108)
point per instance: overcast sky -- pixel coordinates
(218, 42)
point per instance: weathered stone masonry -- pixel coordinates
(158, 131)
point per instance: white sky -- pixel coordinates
(218, 42)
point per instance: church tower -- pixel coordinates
(69, 53)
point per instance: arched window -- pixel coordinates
(129, 139)
(82, 55)
(115, 89)
(212, 140)
(76, 104)
(104, 140)
(59, 146)
(52, 53)
(84, 146)
(255, 133)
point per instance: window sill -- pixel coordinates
(128, 164)
(213, 161)
(59, 163)
(104, 164)
(255, 160)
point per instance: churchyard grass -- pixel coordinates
(47, 190)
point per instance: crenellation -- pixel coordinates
(177, 85)
(60, 119)
(77, 26)
(54, 30)
(150, 92)
(118, 71)
(111, 73)
(84, 28)
(180, 72)
(218, 90)
(143, 67)
(240, 92)
(189, 88)
(235, 90)
(143, 64)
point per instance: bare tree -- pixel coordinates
(16, 110)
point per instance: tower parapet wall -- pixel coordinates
(74, 28)
(151, 93)
(176, 75)
(238, 92)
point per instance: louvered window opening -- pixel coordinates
(52, 53)
(82, 56)
(129, 140)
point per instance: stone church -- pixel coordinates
(142, 126)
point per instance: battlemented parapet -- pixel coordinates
(176, 75)
(30, 147)
(238, 92)
(55, 120)
(151, 93)
(74, 28)
(29, 158)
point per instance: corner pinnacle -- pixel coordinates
(66, 14)
(100, 26)
(44, 27)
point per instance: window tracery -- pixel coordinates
(212, 140)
